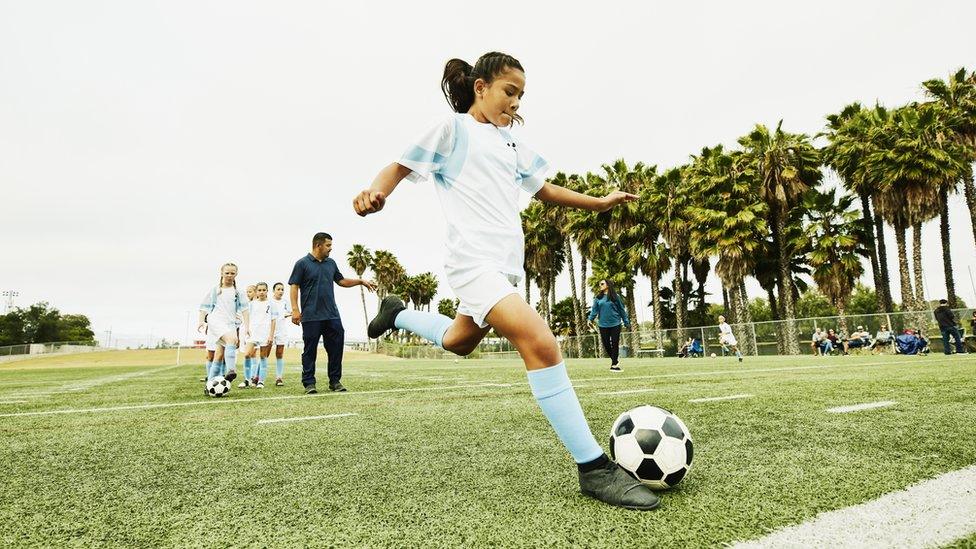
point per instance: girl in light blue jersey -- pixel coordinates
(479, 168)
(218, 315)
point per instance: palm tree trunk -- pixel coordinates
(725, 297)
(791, 344)
(362, 295)
(868, 227)
(583, 279)
(917, 266)
(552, 295)
(884, 292)
(679, 300)
(632, 314)
(528, 290)
(946, 255)
(969, 189)
(746, 315)
(656, 304)
(842, 321)
(577, 314)
(905, 277)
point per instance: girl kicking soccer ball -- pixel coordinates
(260, 330)
(218, 315)
(281, 332)
(478, 169)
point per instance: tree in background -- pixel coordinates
(360, 258)
(40, 323)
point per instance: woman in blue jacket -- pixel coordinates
(610, 309)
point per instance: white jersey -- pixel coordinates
(284, 315)
(725, 334)
(478, 170)
(222, 305)
(262, 313)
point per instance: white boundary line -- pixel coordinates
(716, 399)
(859, 407)
(306, 418)
(630, 392)
(931, 513)
(14, 401)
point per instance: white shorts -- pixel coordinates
(728, 340)
(211, 340)
(259, 335)
(484, 292)
(281, 338)
(217, 328)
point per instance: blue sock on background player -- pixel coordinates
(279, 367)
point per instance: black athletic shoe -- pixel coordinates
(611, 484)
(231, 375)
(337, 387)
(616, 368)
(390, 307)
(310, 389)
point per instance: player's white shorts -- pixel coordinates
(281, 338)
(259, 335)
(211, 340)
(484, 292)
(217, 328)
(728, 340)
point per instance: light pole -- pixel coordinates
(10, 295)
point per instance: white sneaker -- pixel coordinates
(260, 385)
(244, 384)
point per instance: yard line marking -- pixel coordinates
(630, 392)
(240, 401)
(931, 513)
(716, 399)
(306, 418)
(859, 407)
(14, 401)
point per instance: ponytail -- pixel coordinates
(459, 78)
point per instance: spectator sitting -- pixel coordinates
(683, 351)
(923, 344)
(816, 340)
(829, 343)
(882, 339)
(859, 339)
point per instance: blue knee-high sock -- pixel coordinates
(230, 356)
(430, 326)
(247, 367)
(279, 367)
(555, 395)
(214, 370)
(262, 369)
(207, 368)
(738, 354)
(223, 368)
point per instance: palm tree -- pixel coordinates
(558, 216)
(847, 150)
(588, 229)
(729, 221)
(544, 252)
(360, 258)
(958, 95)
(388, 272)
(836, 240)
(447, 307)
(916, 159)
(672, 196)
(426, 288)
(786, 165)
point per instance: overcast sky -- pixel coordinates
(143, 144)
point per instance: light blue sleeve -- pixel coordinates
(531, 169)
(209, 302)
(429, 153)
(242, 303)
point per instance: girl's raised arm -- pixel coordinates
(373, 199)
(554, 194)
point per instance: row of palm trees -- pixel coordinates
(392, 278)
(762, 210)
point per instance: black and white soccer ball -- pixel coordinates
(652, 444)
(218, 387)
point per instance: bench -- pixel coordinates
(652, 352)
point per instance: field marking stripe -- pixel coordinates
(305, 418)
(14, 401)
(215, 401)
(859, 407)
(931, 513)
(716, 399)
(632, 391)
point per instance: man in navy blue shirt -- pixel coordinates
(318, 315)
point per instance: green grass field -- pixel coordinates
(122, 448)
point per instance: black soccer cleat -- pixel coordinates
(230, 375)
(390, 307)
(337, 387)
(609, 483)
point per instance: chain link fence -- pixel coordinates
(48, 348)
(756, 338)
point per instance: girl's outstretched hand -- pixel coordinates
(616, 197)
(367, 202)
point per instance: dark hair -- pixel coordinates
(320, 238)
(459, 77)
(612, 295)
(276, 284)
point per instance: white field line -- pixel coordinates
(467, 385)
(14, 401)
(859, 407)
(217, 401)
(931, 513)
(630, 392)
(306, 418)
(716, 399)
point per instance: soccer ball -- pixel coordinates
(713, 355)
(653, 445)
(218, 387)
